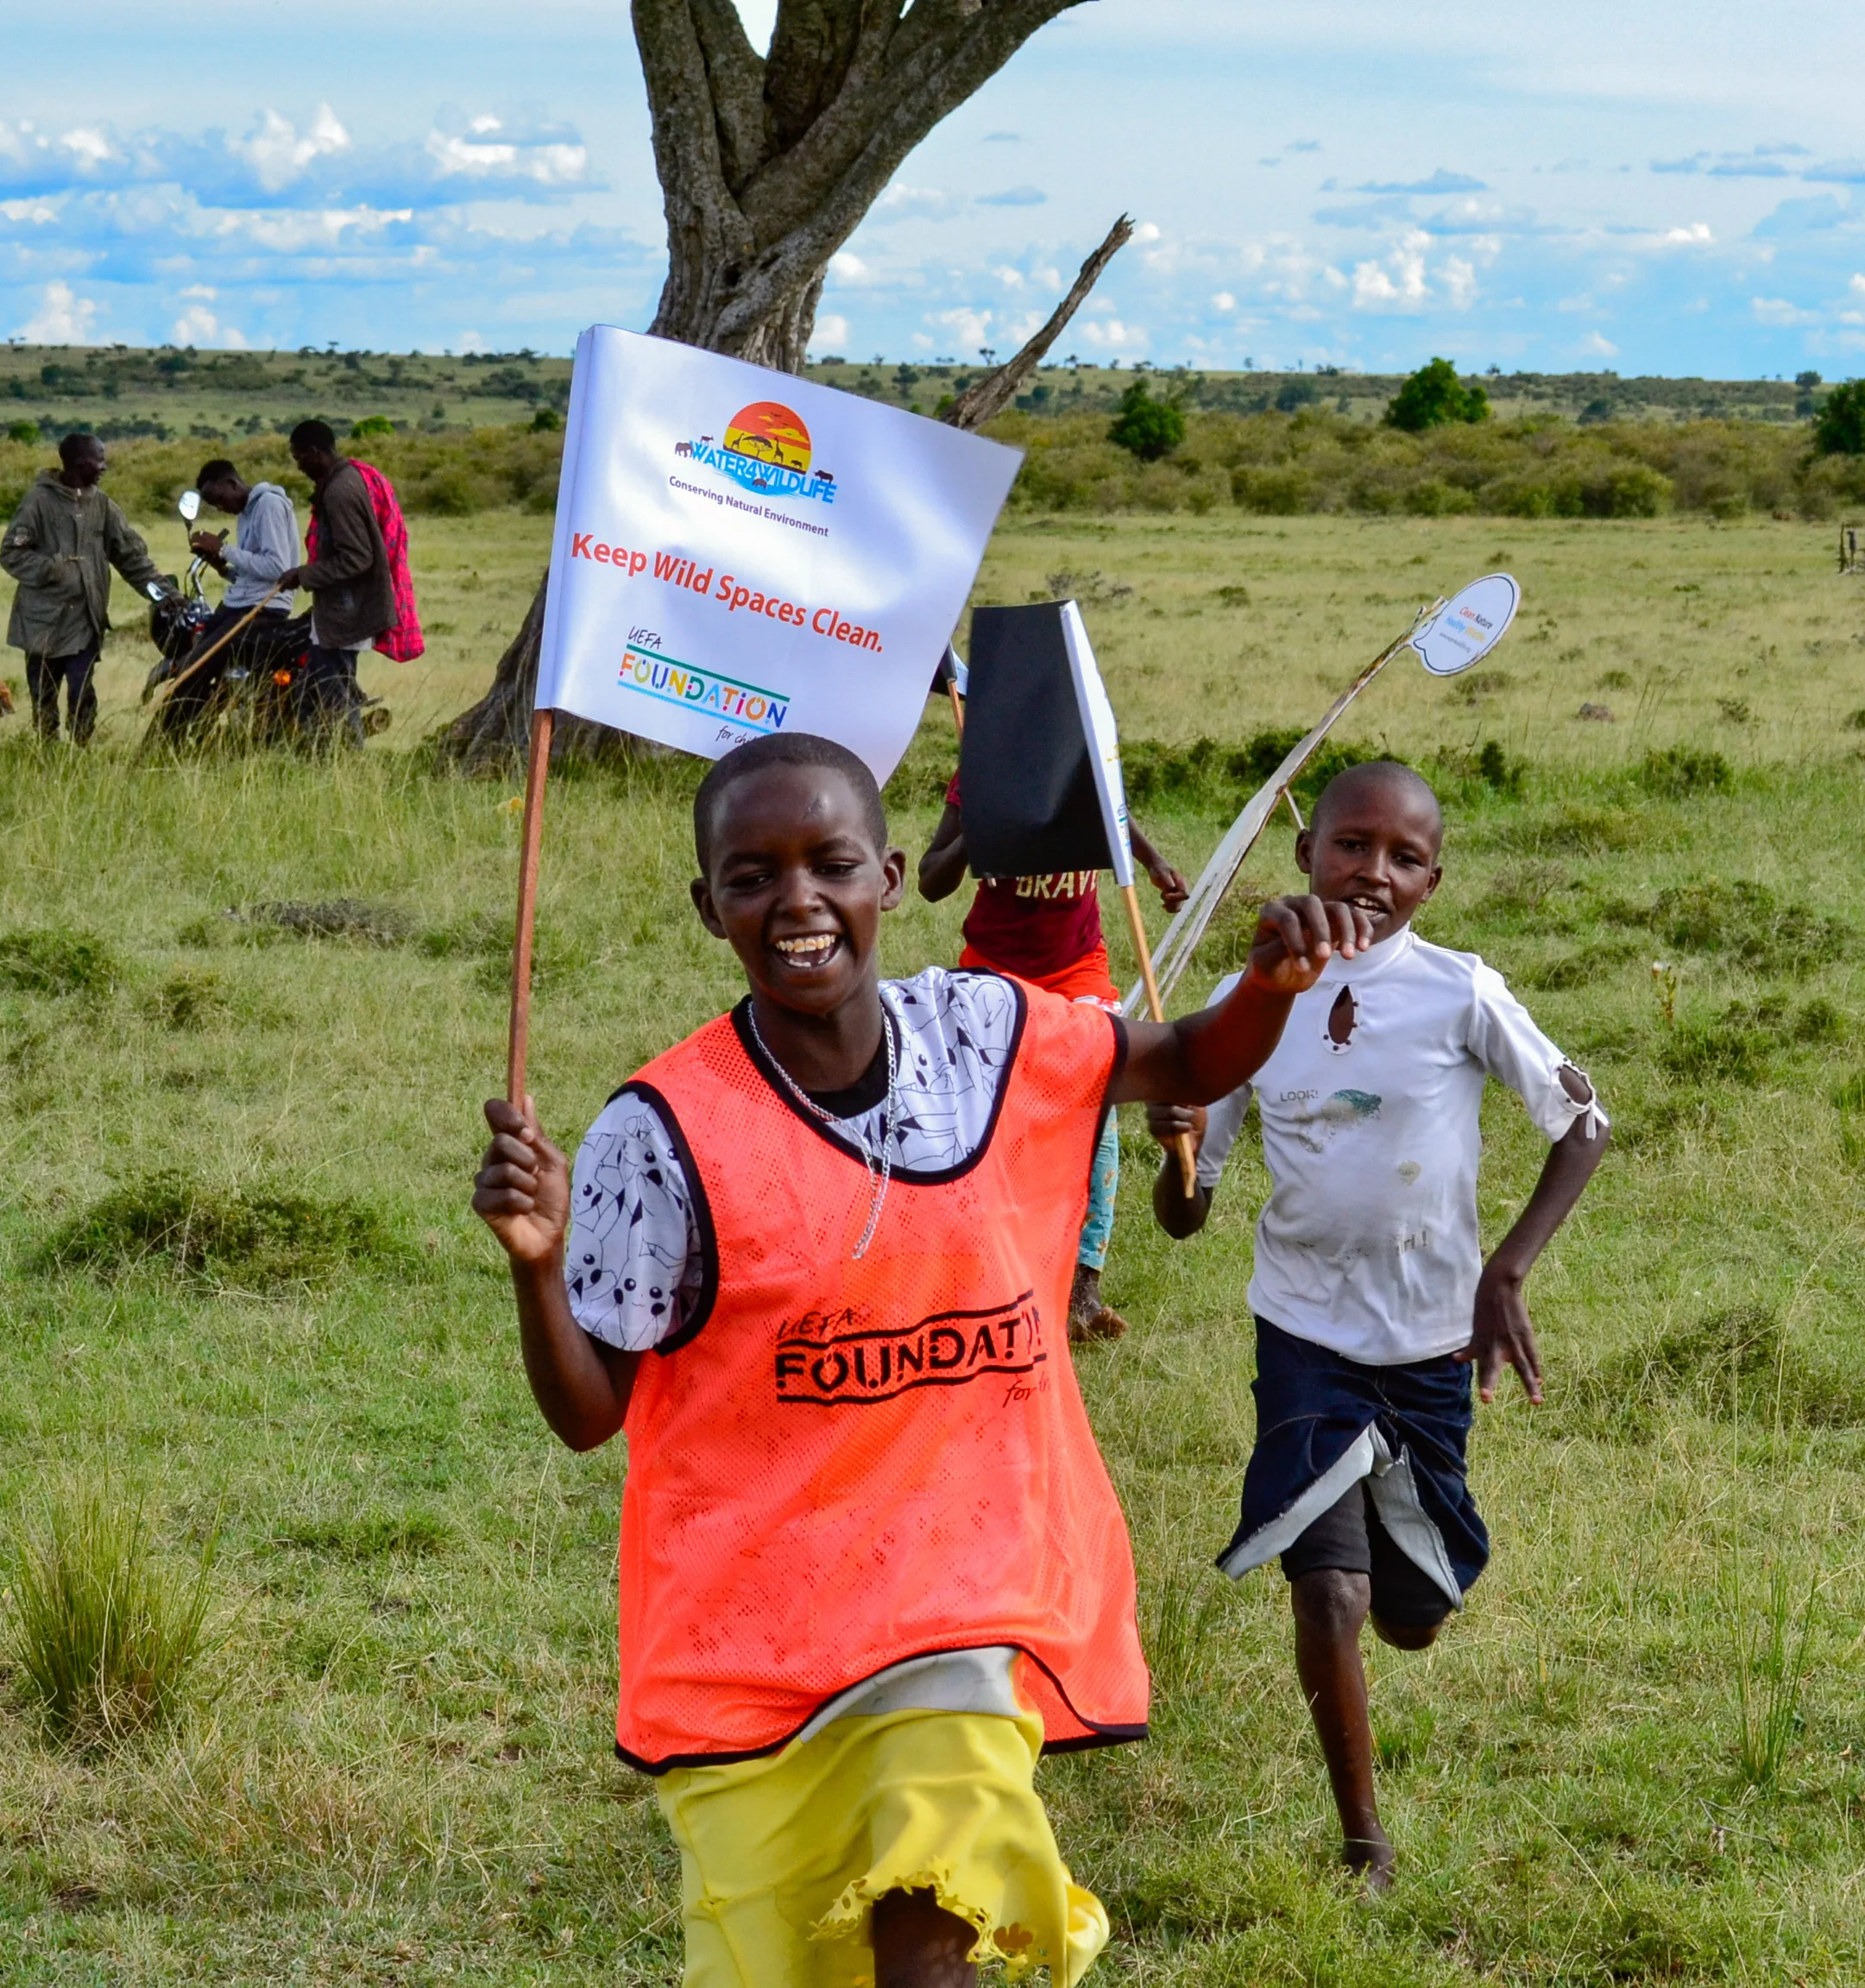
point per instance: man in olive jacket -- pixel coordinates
(352, 592)
(61, 546)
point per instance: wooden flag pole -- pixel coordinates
(537, 772)
(958, 708)
(1183, 1144)
(219, 643)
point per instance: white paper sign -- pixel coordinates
(1104, 741)
(741, 552)
(1470, 626)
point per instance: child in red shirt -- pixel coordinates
(1046, 930)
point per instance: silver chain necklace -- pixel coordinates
(880, 1165)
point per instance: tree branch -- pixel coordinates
(736, 73)
(995, 391)
(858, 141)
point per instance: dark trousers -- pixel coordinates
(326, 692)
(44, 674)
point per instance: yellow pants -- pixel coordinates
(781, 1860)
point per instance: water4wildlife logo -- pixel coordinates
(765, 448)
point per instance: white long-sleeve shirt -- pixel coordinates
(1368, 1242)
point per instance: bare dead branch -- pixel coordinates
(995, 391)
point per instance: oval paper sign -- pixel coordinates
(1471, 626)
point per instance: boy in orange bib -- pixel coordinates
(814, 1259)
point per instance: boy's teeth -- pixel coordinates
(818, 942)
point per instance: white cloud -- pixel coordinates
(1459, 282)
(1224, 301)
(1696, 235)
(846, 269)
(970, 328)
(88, 147)
(1398, 283)
(197, 325)
(64, 319)
(544, 165)
(831, 332)
(1596, 345)
(1779, 310)
(287, 232)
(1114, 336)
(471, 342)
(278, 152)
(1011, 279)
(1147, 231)
(37, 212)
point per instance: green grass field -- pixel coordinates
(396, 1769)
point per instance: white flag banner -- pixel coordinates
(741, 552)
(1103, 741)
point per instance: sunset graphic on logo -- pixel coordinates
(768, 431)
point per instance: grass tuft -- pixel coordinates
(259, 1239)
(1680, 771)
(1769, 1652)
(1737, 1363)
(57, 962)
(103, 1635)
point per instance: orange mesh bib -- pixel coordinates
(841, 1465)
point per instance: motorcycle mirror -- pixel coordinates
(189, 505)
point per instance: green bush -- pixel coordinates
(370, 424)
(1839, 428)
(1681, 771)
(1144, 427)
(55, 961)
(1433, 396)
(264, 1238)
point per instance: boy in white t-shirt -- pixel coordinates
(1370, 1295)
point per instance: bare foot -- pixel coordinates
(1372, 1859)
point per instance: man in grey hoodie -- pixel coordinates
(264, 549)
(61, 546)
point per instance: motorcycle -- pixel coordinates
(256, 700)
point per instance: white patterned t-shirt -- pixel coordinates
(635, 1261)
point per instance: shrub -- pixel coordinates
(264, 1238)
(54, 961)
(1681, 771)
(1839, 429)
(370, 424)
(1146, 427)
(1433, 396)
(1749, 921)
(101, 1632)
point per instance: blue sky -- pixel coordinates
(1662, 188)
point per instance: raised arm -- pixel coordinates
(942, 869)
(522, 1194)
(1207, 1055)
(1500, 1330)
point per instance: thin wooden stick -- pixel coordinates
(219, 643)
(1183, 1144)
(537, 771)
(958, 706)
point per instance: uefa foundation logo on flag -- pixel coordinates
(766, 448)
(708, 589)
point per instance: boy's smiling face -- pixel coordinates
(795, 883)
(1373, 842)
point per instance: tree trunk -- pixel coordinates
(767, 165)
